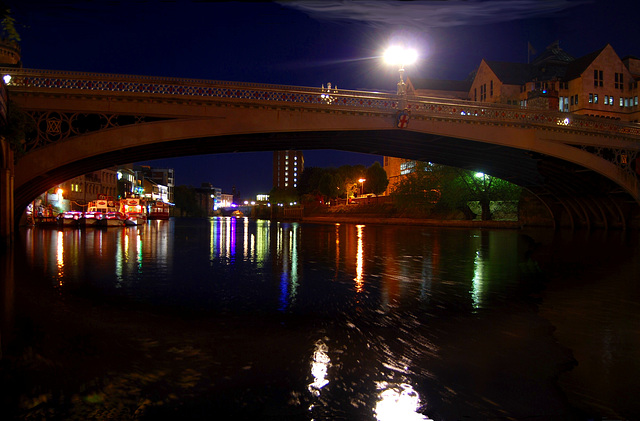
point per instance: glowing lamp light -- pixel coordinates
(400, 55)
(7, 79)
(479, 175)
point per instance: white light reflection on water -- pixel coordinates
(319, 367)
(478, 280)
(398, 403)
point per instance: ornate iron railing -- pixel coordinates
(45, 80)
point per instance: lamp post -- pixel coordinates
(361, 181)
(400, 56)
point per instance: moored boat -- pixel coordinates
(159, 210)
(135, 218)
(96, 211)
(133, 211)
(111, 219)
(69, 219)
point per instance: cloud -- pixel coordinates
(429, 13)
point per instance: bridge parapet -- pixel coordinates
(80, 83)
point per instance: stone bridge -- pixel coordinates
(585, 171)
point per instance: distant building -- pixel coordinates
(160, 176)
(226, 200)
(126, 182)
(79, 191)
(209, 198)
(287, 168)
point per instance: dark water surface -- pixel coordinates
(228, 318)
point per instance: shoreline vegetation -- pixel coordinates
(385, 214)
(378, 220)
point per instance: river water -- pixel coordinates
(227, 318)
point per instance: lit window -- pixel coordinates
(595, 98)
(621, 102)
(590, 98)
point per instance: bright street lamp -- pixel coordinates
(361, 181)
(400, 56)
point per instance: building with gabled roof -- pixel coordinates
(598, 84)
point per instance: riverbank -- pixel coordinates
(374, 219)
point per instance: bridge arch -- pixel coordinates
(574, 164)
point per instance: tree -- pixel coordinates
(284, 196)
(420, 190)
(329, 185)
(8, 25)
(185, 200)
(377, 180)
(469, 186)
(310, 180)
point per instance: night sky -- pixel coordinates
(305, 43)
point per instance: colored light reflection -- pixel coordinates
(360, 260)
(398, 402)
(320, 363)
(60, 257)
(287, 252)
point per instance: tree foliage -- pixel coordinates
(341, 182)
(280, 195)
(377, 180)
(8, 25)
(476, 186)
(421, 189)
(19, 126)
(185, 200)
(432, 187)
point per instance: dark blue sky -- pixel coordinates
(305, 43)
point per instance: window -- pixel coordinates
(576, 99)
(590, 98)
(635, 100)
(475, 94)
(611, 100)
(619, 82)
(595, 98)
(491, 88)
(621, 102)
(597, 78)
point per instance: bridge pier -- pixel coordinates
(6, 195)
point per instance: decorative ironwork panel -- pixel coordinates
(52, 126)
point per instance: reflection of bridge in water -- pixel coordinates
(584, 170)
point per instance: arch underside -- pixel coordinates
(573, 195)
